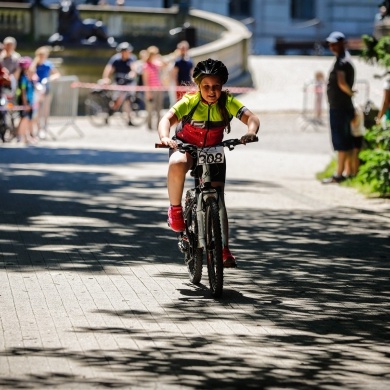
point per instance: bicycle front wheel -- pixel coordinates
(193, 256)
(97, 109)
(214, 247)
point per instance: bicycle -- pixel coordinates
(7, 120)
(204, 214)
(98, 108)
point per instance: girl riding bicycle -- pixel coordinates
(202, 118)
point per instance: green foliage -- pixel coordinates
(374, 173)
(383, 51)
(328, 171)
(376, 51)
(369, 53)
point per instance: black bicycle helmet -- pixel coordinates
(211, 67)
(124, 46)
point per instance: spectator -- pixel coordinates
(46, 72)
(151, 78)
(4, 82)
(4, 78)
(182, 70)
(9, 59)
(384, 10)
(341, 109)
(319, 86)
(121, 66)
(357, 129)
(26, 99)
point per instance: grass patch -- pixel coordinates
(329, 170)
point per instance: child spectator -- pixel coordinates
(46, 72)
(319, 88)
(25, 95)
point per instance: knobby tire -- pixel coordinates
(138, 113)
(193, 256)
(7, 127)
(214, 247)
(96, 108)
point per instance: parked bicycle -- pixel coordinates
(98, 107)
(7, 120)
(204, 211)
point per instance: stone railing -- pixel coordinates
(232, 47)
(15, 19)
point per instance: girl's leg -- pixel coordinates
(179, 164)
(46, 110)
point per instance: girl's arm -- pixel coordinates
(253, 123)
(164, 127)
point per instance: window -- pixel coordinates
(240, 8)
(169, 3)
(302, 9)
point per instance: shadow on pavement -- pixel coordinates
(308, 307)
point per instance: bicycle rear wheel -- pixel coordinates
(214, 247)
(7, 127)
(193, 256)
(97, 109)
(139, 114)
(133, 110)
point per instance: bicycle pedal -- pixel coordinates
(183, 243)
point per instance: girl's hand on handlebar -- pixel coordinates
(248, 137)
(169, 142)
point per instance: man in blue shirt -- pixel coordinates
(120, 67)
(182, 70)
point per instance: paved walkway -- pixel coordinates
(94, 293)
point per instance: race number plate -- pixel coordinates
(214, 155)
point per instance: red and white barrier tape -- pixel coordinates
(111, 87)
(11, 107)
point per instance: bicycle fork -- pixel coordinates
(200, 215)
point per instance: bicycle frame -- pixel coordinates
(204, 188)
(206, 191)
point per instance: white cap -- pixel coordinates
(335, 36)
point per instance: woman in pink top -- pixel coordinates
(151, 78)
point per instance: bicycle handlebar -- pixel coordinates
(229, 143)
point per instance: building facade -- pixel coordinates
(301, 21)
